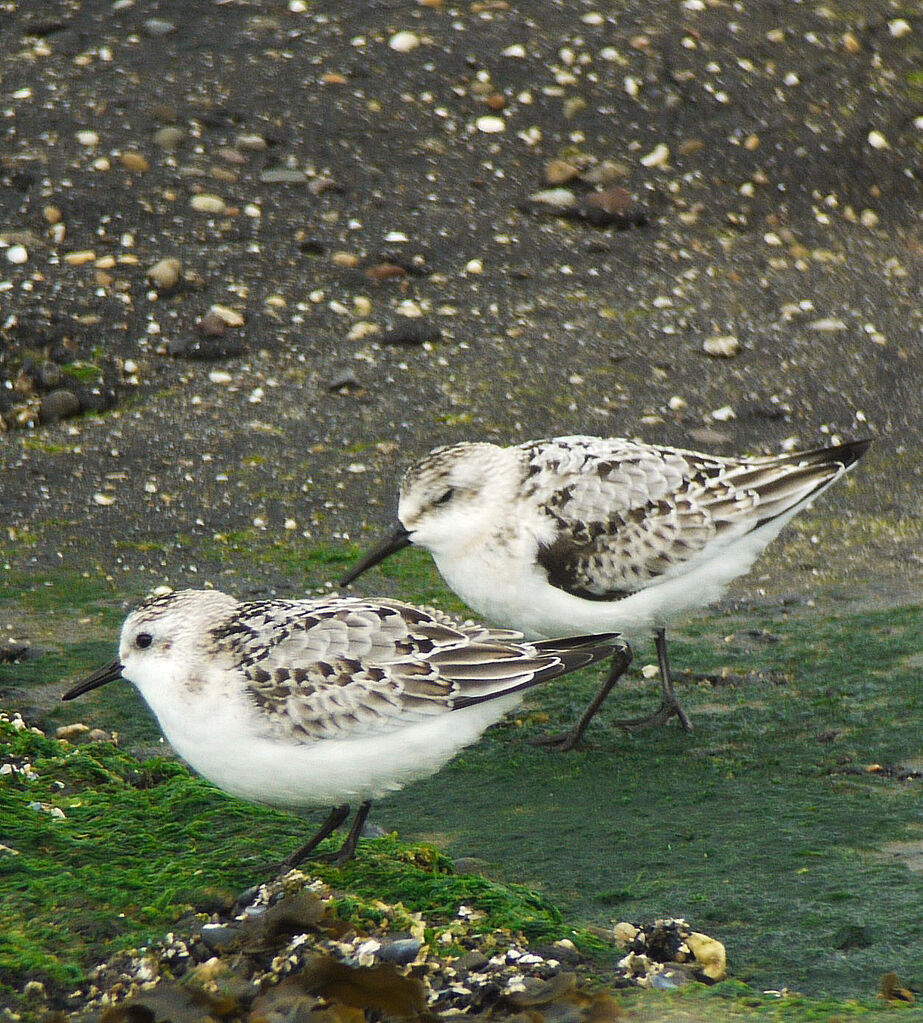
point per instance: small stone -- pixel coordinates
(559, 172)
(254, 143)
(828, 325)
(17, 254)
(58, 405)
(899, 28)
(231, 317)
(710, 955)
(137, 163)
(80, 258)
(411, 332)
(490, 125)
(607, 172)
(553, 198)
(404, 42)
(71, 732)
(385, 271)
(345, 259)
(88, 139)
(516, 50)
(659, 156)
(625, 932)
(612, 207)
(158, 27)
(169, 138)
(52, 214)
(211, 325)
(165, 274)
(283, 176)
(474, 266)
(344, 380)
(877, 140)
(401, 951)
(103, 500)
(724, 414)
(724, 347)
(205, 203)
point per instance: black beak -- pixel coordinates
(395, 541)
(109, 673)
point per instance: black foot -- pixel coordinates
(560, 742)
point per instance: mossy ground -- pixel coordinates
(764, 827)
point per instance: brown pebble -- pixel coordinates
(496, 100)
(58, 405)
(557, 172)
(691, 146)
(52, 214)
(137, 163)
(385, 271)
(334, 78)
(212, 325)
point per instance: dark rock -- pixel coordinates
(343, 380)
(59, 404)
(400, 951)
(412, 332)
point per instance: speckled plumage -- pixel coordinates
(299, 703)
(577, 534)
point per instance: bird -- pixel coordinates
(582, 533)
(313, 702)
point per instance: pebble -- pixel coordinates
(412, 332)
(404, 42)
(401, 951)
(211, 325)
(135, 162)
(607, 172)
(169, 137)
(254, 143)
(515, 50)
(205, 203)
(59, 404)
(474, 266)
(827, 325)
(559, 172)
(877, 140)
(17, 254)
(80, 258)
(158, 27)
(230, 317)
(88, 139)
(490, 125)
(283, 176)
(724, 347)
(614, 207)
(165, 273)
(659, 156)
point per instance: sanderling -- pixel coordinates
(581, 534)
(300, 703)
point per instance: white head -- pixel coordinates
(455, 496)
(165, 644)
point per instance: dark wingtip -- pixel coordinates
(395, 541)
(108, 673)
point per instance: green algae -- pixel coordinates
(765, 828)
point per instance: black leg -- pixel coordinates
(565, 741)
(348, 848)
(337, 815)
(669, 704)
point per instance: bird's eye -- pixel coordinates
(446, 497)
(143, 640)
